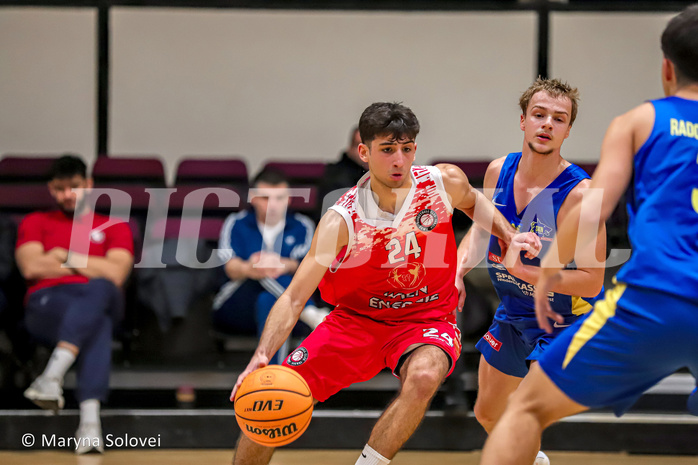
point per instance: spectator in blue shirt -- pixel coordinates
(262, 248)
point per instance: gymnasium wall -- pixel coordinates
(274, 84)
(47, 81)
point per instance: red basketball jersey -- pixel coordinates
(396, 267)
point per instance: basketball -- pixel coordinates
(273, 406)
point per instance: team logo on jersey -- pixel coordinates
(426, 220)
(408, 276)
(97, 236)
(297, 357)
(541, 229)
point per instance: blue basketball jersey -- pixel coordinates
(662, 203)
(539, 216)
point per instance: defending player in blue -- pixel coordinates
(532, 189)
(653, 149)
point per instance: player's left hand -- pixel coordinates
(544, 313)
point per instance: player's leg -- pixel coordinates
(535, 405)
(421, 374)
(502, 367)
(248, 452)
(494, 389)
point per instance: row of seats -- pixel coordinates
(151, 171)
(22, 181)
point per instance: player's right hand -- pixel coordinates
(544, 312)
(258, 361)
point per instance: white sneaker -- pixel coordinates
(88, 438)
(47, 393)
(541, 459)
(313, 316)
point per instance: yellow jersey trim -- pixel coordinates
(603, 310)
(580, 306)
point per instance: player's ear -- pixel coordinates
(668, 76)
(363, 152)
(522, 121)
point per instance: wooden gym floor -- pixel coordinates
(316, 457)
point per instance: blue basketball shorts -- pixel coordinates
(510, 344)
(631, 340)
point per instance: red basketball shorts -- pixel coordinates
(348, 348)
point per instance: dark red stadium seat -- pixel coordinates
(300, 203)
(211, 171)
(301, 172)
(25, 168)
(25, 198)
(139, 198)
(588, 167)
(208, 228)
(141, 170)
(211, 203)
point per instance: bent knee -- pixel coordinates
(424, 382)
(524, 402)
(486, 414)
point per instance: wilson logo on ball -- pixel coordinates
(273, 433)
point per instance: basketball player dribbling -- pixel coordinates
(385, 254)
(645, 329)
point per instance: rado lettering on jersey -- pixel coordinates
(272, 433)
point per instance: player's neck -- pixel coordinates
(390, 199)
(536, 169)
(689, 92)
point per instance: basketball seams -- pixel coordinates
(257, 391)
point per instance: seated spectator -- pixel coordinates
(74, 299)
(343, 174)
(262, 248)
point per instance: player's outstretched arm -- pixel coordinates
(582, 224)
(473, 247)
(482, 211)
(586, 280)
(330, 237)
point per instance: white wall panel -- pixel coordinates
(281, 84)
(614, 59)
(47, 81)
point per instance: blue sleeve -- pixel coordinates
(306, 230)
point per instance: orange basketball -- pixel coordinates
(273, 406)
